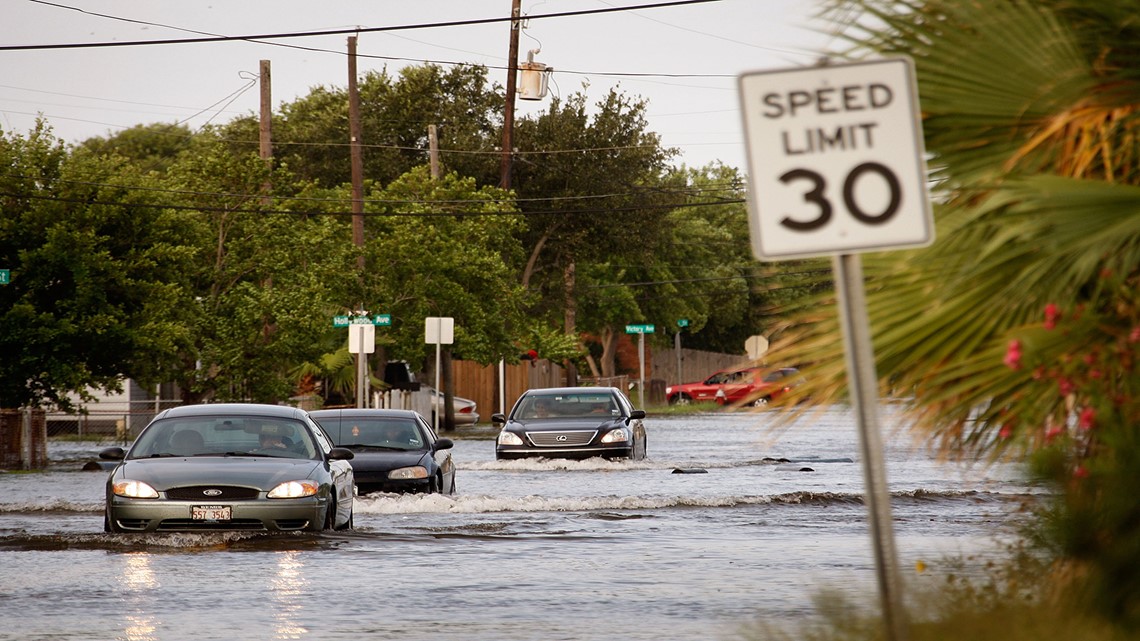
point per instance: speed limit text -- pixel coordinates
(822, 101)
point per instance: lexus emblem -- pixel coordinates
(212, 492)
(561, 438)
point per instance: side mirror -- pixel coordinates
(341, 454)
(636, 415)
(498, 418)
(113, 454)
(444, 444)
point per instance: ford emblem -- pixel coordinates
(561, 438)
(212, 492)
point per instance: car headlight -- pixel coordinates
(509, 438)
(405, 473)
(620, 435)
(668, 390)
(294, 489)
(134, 490)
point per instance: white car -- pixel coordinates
(465, 410)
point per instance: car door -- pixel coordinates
(442, 457)
(343, 480)
(738, 386)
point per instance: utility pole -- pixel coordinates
(433, 151)
(512, 81)
(357, 162)
(357, 158)
(265, 124)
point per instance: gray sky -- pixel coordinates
(694, 52)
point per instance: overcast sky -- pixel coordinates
(684, 59)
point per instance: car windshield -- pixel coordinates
(550, 406)
(388, 433)
(224, 436)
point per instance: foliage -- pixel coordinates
(98, 274)
(311, 133)
(148, 147)
(1015, 332)
(266, 281)
(445, 247)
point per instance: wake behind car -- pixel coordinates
(572, 422)
(233, 466)
(395, 450)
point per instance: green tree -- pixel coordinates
(270, 275)
(98, 274)
(151, 147)
(445, 247)
(311, 133)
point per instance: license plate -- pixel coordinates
(211, 512)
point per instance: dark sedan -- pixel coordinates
(572, 422)
(395, 450)
(234, 466)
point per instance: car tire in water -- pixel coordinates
(330, 514)
(108, 524)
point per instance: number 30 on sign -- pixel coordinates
(836, 160)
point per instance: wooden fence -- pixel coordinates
(480, 383)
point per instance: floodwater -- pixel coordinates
(526, 549)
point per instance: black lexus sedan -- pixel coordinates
(394, 450)
(571, 422)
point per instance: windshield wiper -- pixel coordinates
(249, 454)
(375, 447)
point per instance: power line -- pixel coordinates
(338, 32)
(392, 214)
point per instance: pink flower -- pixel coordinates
(1134, 335)
(1052, 433)
(1065, 386)
(1087, 419)
(1013, 355)
(1052, 315)
(1006, 431)
(1080, 472)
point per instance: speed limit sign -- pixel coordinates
(835, 160)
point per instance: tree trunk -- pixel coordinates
(609, 352)
(570, 317)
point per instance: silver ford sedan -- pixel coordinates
(236, 466)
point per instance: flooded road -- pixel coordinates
(525, 550)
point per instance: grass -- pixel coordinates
(1023, 598)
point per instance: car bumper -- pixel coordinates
(269, 515)
(366, 484)
(522, 451)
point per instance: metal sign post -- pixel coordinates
(641, 331)
(837, 167)
(362, 342)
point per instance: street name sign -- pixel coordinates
(5, 276)
(639, 329)
(381, 320)
(836, 160)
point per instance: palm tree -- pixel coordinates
(1029, 119)
(1018, 330)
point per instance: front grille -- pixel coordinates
(198, 493)
(189, 525)
(575, 438)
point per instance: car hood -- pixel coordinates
(563, 424)
(264, 473)
(367, 460)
